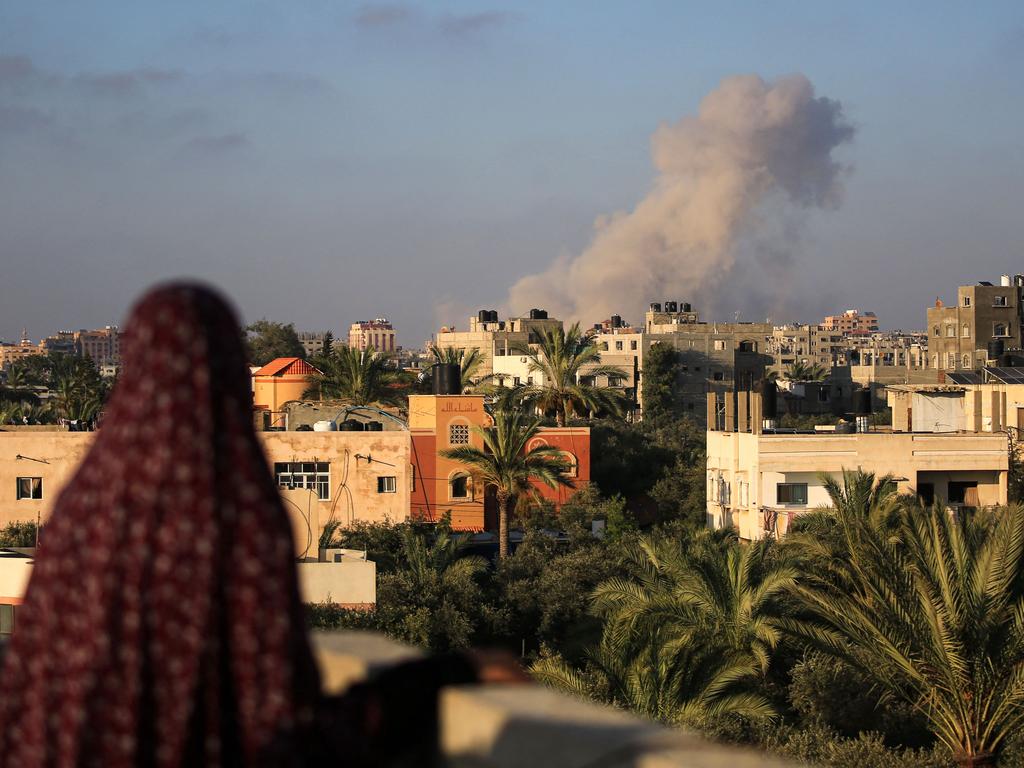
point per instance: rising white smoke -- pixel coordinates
(750, 141)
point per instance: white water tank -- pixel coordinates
(325, 426)
(1004, 280)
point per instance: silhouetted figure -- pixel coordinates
(162, 625)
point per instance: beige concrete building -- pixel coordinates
(759, 481)
(12, 353)
(346, 476)
(808, 344)
(377, 335)
(852, 323)
(102, 346)
(498, 339)
(959, 335)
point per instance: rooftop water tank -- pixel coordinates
(655, 306)
(671, 306)
(374, 426)
(351, 426)
(446, 379)
(325, 426)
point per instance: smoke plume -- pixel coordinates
(751, 141)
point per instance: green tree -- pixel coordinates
(20, 533)
(328, 346)
(559, 357)
(505, 463)
(469, 362)
(268, 341)
(659, 376)
(932, 611)
(357, 377)
(801, 371)
(689, 635)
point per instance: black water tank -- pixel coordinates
(616, 321)
(655, 306)
(687, 307)
(769, 398)
(374, 426)
(534, 313)
(446, 379)
(482, 316)
(492, 315)
(862, 402)
(995, 349)
(351, 426)
(542, 314)
(671, 306)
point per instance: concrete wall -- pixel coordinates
(351, 583)
(14, 574)
(356, 460)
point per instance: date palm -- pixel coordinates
(357, 377)
(559, 357)
(689, 635)
(801, 371)
(932, 611)
(506, 463)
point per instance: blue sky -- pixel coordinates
(325, 162)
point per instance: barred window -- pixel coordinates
(315, 475)
(458, 434)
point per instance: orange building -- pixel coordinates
(279, 381)
(441, 485)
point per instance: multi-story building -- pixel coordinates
(959, 335)
(102, 346)
(852, 323)
(366, 466)
(12, 353)
(759, 480)
(498, 339)
(809, 344)
(62, 341)
(377, 335)
(312, 342)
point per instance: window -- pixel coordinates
(386, 484)
(718, 376)
(6, 620)
(618, 346)
(950, 331)
(966, 331)
(951, 360)
(632, 345)
(791, 493)
(570, 464)
(967, 361)
(967, 301)
(999, 301)
(719, 346)
(315, 475)
(935, 331)
(459, 487)
(30, 488)
(458, 434)
(999, 329)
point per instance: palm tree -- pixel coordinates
(469, 362)
(689, 634)
(932, 611)
(444, 557)
(505, 463)
(357, 377)
(559, 358)
(802, 371)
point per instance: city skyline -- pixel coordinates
(323, 163)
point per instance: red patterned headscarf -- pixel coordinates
(162, 625)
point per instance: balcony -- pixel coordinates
(507, 726)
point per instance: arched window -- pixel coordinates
(571, 464)
(967, 361)
(966, 331)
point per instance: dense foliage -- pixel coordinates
(877, 633)
(267, 340)
(43, 389)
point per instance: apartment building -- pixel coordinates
(852, 323)
(759, 480)
(959, 335)
(312, 342)
(377, 335)
(497, 339)
(12, 353)
(808, 344)
(102, 346)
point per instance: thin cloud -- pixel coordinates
(375, 16)
(22, 120)
(218, 145)
(473, 23)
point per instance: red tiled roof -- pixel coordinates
(294, 366)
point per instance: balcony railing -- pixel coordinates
(507, 726)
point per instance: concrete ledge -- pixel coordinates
(529, 726)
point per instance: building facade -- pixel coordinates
(376, 335)
(759, 481)
(498, 339)
(852, 323)
(959, 335)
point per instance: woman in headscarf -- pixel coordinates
(162, 625)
